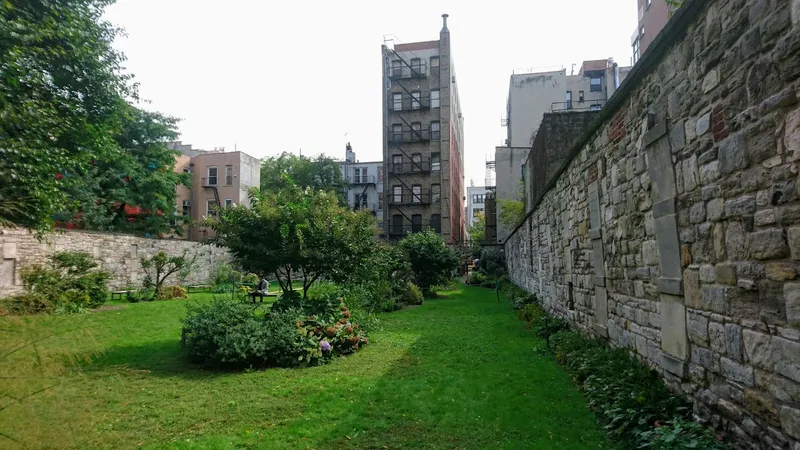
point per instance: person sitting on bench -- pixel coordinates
(261, 290)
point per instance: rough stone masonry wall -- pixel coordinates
(675, 229)
(116, 253)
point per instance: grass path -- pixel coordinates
(456, 373)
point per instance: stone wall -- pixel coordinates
(675, 229)
(116, 253)
(556, 135)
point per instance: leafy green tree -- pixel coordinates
(61, 88)
(293, 232)
(139, 173)
(432, 261)
(477, 231)
(319, 173)
(512, 212)
(159, 267)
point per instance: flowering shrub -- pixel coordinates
(231, 334)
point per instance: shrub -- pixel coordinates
(432, 261)
(477, 278)
(530, 313)
(251, 278)
(231, 334)
(69, 282)
(172, 292)
(493, 261)
(225, 274)
(413, 295)
(140, 295)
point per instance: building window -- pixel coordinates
(436, 162)
(416, 223)
(436, 223)
(476, 212)
(435, 65)
(580, 96)
(212, 176)
(360, 201)
(436, 130)
(187, 169)
(416, 65)
(397, 132)
(641, 32)
(416, 129)
(228, 175)
(397, 102)
(415, 96)
(228, 202)
(436, 193)
(380, 200)
(397, 162)
(187, 208)
(596, 84)
(416, 193)
(416, 159)
(522, 173)
(569, 99)
(211, 208)
(478, 198)
(397, 68)
(397, 224)
(397, 194)
(595, 107)
(434, 98)
(636, 50)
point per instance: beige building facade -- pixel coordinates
(219, 179)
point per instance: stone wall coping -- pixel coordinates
(671, 33)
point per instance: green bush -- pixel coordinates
(140, 295)
(225, 274)
(69, 282)
(530, 313)
(492, 261)
(413, 295)
(477, 278)
(432, 261)
(172, 292)
(628, 397)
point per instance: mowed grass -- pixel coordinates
(456, 373)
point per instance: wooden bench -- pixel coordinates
(119, 294)
(197, 287)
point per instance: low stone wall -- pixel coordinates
(116, 253)
(674, 228)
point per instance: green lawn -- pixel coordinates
(457, 373)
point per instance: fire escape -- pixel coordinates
(400, 103)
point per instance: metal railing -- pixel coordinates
(410, 198)
(368, 206)
(586, 105)
(362, 179)
(399, 137)
(413, 70)
(409, 103)
(402, 230)
(410, 167)
(205, 181)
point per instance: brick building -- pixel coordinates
(423, 140)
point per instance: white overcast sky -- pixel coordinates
(264, 76)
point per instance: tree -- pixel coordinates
(512, 212)
(138, 174)
(293, 232)
(319, 173)
(159, 267)
(61, 88)
(477, 231)
(432, 261)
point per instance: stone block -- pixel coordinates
(703, 124)
(781, 271)
(650, 253)
(786, 354)
(690, 129)
(790, 421)
(716, 337)
(708, 273)
(703, 357)
(740, 206)
(677, 138)
(736, 244)
(726, 274)
(9, 251)
(674, 340)
(691, 176)
(718, 236)
(765, 217)
(791, 140)
(715, 298)
(709, 173)
(793, 236)
(691, 286)
(768, 244)
(714, 209)
(710, 81)
(737, 372)
(697, 213)
(791, 294)
(757, 403)
(757, 347)
(698, 329)
(733, 154)
(733, 341)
